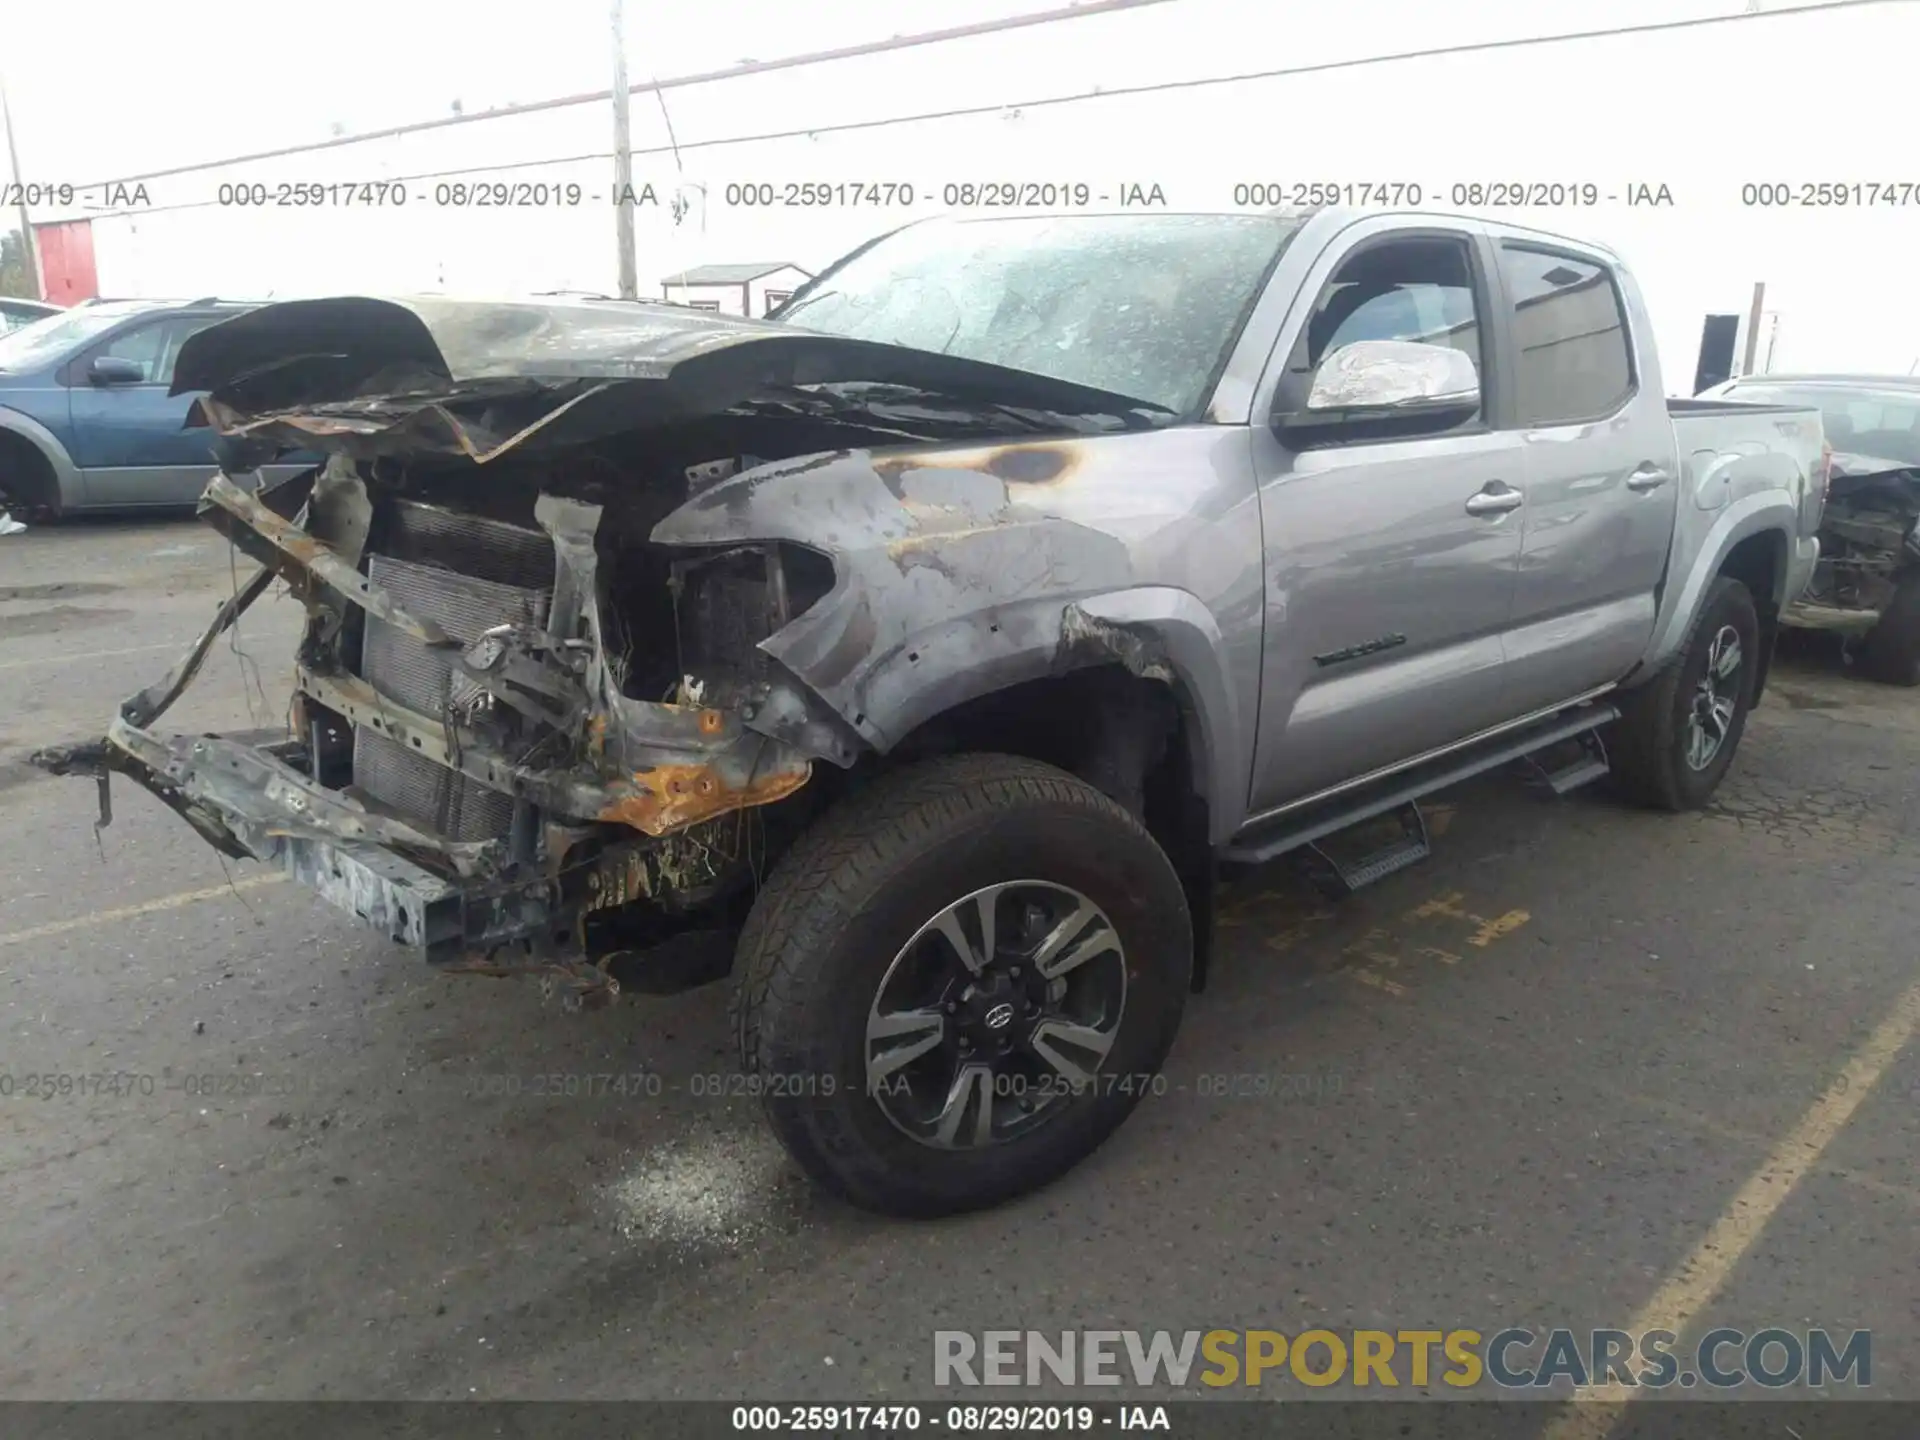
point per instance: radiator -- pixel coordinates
(514, 585)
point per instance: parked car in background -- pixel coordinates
(923, 653)
(86, 422)
(1867, 584)
(16, 312)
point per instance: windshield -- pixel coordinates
(1884, 424)
(1144, 306)
(44, 341)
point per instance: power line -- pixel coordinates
(1079, 10)
(1116, 92)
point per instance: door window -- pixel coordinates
(155, 346)
(1419, 289)
(1575, 361)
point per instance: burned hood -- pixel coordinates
(364, 375)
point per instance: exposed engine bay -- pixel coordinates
(1868, 542)
(577, 615)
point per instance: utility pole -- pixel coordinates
(623, 160)
(28, 258)
(1753, 327)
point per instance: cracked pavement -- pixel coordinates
(1511, 1086)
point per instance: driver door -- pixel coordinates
(129, 440)
(1391, 577)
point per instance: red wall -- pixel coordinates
(66, 262)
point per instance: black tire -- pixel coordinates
(27, 485)
(1648, 746)
(1892, 650)
(857, 887)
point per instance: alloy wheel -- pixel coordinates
(995, 1015)
(1715, 699)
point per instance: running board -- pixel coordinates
(1398, 792)
(1589, 765)
(1337, 876)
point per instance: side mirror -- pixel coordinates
(116, 370)
(1388, 379)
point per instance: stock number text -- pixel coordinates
(817, 194)
(1825, 193)
(1275, 193)
(324, 193)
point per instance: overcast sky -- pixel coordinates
(1793, 98)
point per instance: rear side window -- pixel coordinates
(1575, 361)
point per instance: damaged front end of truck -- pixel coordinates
(1868, 542)
(588, 589)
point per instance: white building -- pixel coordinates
(741, 289)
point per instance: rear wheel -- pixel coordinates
(960, 982)
(1892, 650)
(1677, 733)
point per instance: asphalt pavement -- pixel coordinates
(1585, 1067)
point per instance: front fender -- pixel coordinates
(963, 569)
(1156, 632)
(1185, 634)
(66, 475)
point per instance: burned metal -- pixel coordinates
(589, 586)
(951, 565)
(365, 376)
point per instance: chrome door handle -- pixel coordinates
(1495, 502)
(1648, 477)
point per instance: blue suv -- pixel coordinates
(86, 422)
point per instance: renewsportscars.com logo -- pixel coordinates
(1511, 1359)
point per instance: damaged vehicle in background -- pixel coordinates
(925, 654)
(1866, 587)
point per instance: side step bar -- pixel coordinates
(1397, 794)
(1583, 769)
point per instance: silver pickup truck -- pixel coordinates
(923, 654)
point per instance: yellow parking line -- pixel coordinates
(1707, 1125)
(145, 907)
(1700, 1277)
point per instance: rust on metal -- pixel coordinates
(580, 983)
(672, 797)
(301, 556)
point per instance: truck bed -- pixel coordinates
(1681, 409)
(1755, 432)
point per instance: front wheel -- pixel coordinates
(960, 982)
(1892, 651)
(1677, 733)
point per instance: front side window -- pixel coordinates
(1418, 289)
(144, 345)
(155, 347)
(1575, 361)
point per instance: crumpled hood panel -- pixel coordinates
(365, 376)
